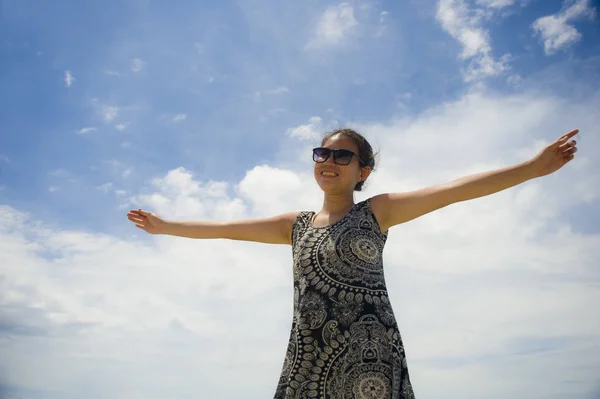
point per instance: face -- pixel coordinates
(345, 177)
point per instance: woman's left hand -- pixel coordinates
(555, 155)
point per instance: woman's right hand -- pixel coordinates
(147, 221)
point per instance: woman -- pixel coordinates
(345, 341)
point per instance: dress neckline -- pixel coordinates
(313, 214)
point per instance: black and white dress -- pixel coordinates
(345, 342)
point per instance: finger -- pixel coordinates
(142, 213)
(568, 145)
(136, 219)
(567, 136)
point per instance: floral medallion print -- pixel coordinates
(345, 342)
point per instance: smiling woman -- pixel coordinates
(345, 341)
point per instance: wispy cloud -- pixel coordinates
(120, 127)
(495, 3)
(108, 113)
(106, 187)
(309, 131)
(119, 167)
(382, 27)
(69, 79)
(137, 64)
(87, 130)
(278, 90)
(60, 173)
(403, 99)
(179, 117)
(556, 31)
(334, 25)
(466, 26)
(112, 73)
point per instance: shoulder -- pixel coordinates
(290, 219)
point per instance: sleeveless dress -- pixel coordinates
(345, 342)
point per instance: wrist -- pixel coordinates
(530, 169)
(168, 228)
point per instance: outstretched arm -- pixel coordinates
(395, 208)
(272, 230)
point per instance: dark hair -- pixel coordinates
(365, 151)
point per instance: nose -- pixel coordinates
(329, 161)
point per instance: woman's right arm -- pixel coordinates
(272, 230)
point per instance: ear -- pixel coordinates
(364, 173)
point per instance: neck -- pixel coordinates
(337, 204)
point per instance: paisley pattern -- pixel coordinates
(345, 342)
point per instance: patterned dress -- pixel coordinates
(345, 342)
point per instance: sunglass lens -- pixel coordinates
(321, 154)
(343, 157)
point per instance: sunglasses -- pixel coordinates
(340, 157)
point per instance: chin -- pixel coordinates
(331, 188)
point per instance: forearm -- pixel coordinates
(195, 229)
(272, 230)
(486, 183)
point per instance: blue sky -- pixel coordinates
(209, 109)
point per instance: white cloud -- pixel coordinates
(109, 113)
(334, 25)
(86, 130)
(4, 158)
(403, 99)
(278, 90)
(309, 131)
(179, 117)
(60, 173)
(474, 286)
(69, 79)
(495, 3)
(119, 167)
(383, 16)
(137, 64)
(112, 73)
(465, 25)
(555, 30)
(120, 127)
(106, 187)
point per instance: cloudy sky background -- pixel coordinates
(208, 110)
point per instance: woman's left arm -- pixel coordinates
(395, 208)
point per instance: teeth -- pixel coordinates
(328, 174)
